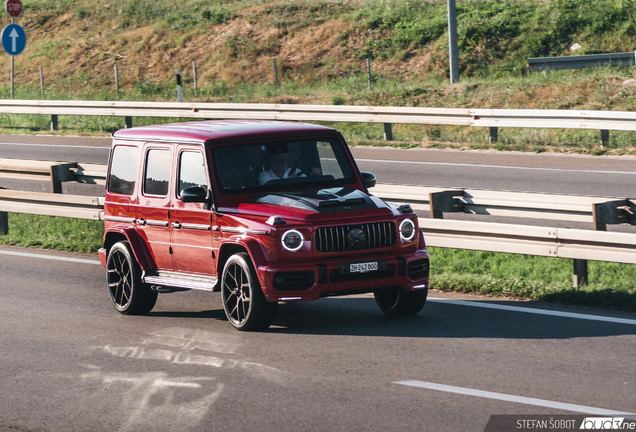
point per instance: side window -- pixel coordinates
(330, 161)
(123, 170)
(191, 170)
(157, 172)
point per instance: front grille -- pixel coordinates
(418, 268)
(377, 235)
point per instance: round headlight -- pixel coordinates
(292, 240)
(407, 230)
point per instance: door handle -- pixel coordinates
(176, 225)
(141, 221)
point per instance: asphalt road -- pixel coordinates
(70, 362)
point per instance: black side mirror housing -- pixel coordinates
(194, 194)
(369, 179)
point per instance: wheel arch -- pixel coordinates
(137, 244)
(250, 246)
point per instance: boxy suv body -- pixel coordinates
(262, 211)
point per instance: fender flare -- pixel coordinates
(137, 244)
(254, 249)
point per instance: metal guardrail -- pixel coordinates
(55, 172)
(595, 210)
(530, 240)
(579, 245)
(330, 113)
(555, 119)
(536, 64)
(52, 204)
(493, 118)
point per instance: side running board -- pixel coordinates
(168, 281)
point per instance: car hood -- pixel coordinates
(311, 204)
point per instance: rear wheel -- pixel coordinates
(129, 294)
(243, 300)
(396, 302)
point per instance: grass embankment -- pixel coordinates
(320, 48)
(495, 274)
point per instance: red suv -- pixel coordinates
(262, 211)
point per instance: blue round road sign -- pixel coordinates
(13, 39)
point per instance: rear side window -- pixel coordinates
(123, 170)
(157, 175)
(191, 170)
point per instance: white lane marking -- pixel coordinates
(497, 166)
(489, 305)
(50, 257)
(54, 145)
(512, 398)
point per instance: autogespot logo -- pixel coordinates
(607, 423)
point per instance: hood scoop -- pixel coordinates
(346, 202)
(321, 200)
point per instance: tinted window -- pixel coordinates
(157, 172)
(279, 165)
(123, 170)
(191, 170)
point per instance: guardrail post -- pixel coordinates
(59, 174)
(597, 218)
(4, 223)
(128, 121)
(445, 201)
(580, 273)
(604, 137)
(388, 132)
(494, 135)
(54, 122)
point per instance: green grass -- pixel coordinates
(498, 274)
(48, 232)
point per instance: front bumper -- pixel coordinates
(311, 281)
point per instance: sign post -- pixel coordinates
(13, 36)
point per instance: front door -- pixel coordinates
(191, 223)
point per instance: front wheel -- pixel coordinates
(243, 300)
(129, 294)
(396, 302)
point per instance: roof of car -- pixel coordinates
(213, 130)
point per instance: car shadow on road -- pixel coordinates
(214, 313)
(361, 316)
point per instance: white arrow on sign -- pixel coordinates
(14, 35)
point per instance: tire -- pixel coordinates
(243, 300)
(129, 294)
(396, 302)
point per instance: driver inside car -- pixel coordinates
(280, 170)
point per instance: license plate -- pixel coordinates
(363, 267)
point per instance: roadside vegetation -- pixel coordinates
(320, 48)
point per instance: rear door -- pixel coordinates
(191, 223)
(153, 212)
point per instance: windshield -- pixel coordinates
(281, 165)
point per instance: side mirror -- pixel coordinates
(369, 179)
(194, 194)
